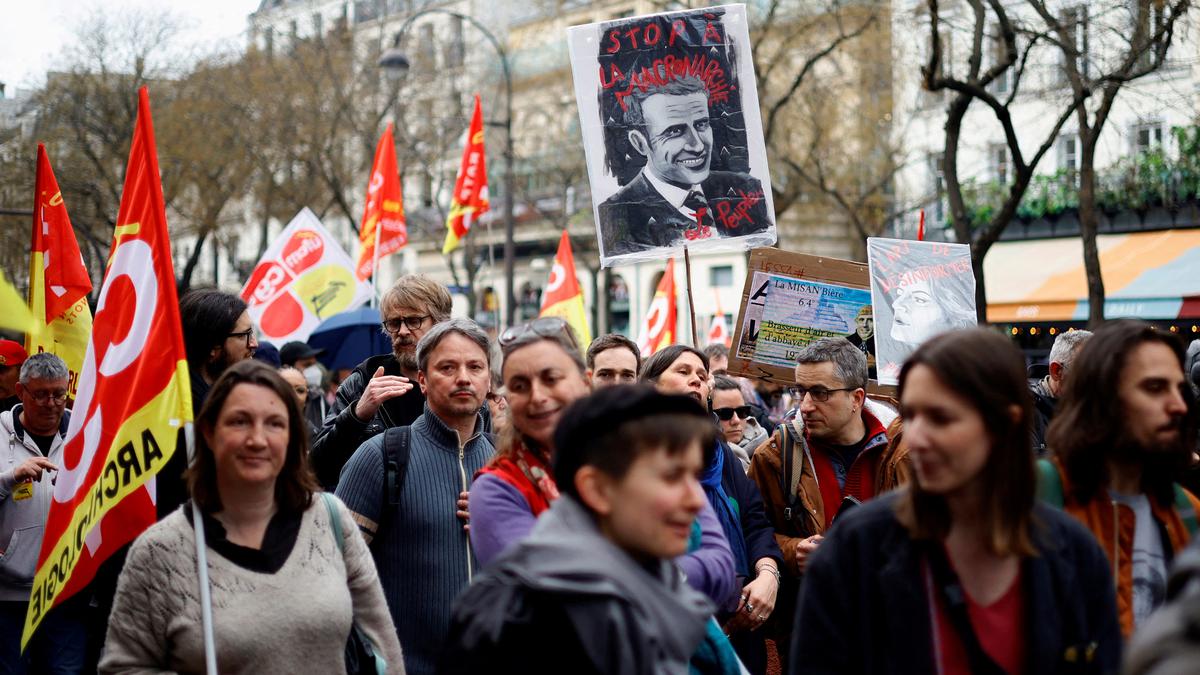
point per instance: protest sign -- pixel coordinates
(303, 279)
(919, 289)
(668, 108)
(791, 299)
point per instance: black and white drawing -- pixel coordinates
(671, 128)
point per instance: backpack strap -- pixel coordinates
(1187, 512)
(790, 476)
(396, 453)
(1049, 484)
(335, 521)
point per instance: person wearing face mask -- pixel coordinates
(543, 374)
(963, 570)
(679, 369)
(593, 589)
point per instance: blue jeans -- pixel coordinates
(58, 647)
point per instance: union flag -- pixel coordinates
(134, 395)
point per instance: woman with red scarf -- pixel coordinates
(543, 373)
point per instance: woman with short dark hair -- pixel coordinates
(680, 369)
(284, 589)
(593, 589)
(960, 571)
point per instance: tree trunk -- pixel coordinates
(1088, 227)
(185, 279)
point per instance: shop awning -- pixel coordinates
(1149, 275)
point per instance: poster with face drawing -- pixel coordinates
(668, 108)
(918, 289)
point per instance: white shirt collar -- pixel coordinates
(674, 195)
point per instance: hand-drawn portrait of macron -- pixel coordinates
(669, 114)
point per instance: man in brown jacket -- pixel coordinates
(837, 448)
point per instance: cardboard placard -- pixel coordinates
(791, 299)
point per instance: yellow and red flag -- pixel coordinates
(134, 395)
(718, 332)
(14, 313)
(563, 297)
(470, 198)
(58, 280)
(658, 330)
(383, 217)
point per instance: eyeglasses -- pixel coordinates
(245, 335)
(546, 326)
(392, 326)
(44, 397)
(726, 414)
(819, 394)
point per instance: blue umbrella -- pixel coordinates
(349, 338)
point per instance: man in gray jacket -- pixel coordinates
(409, 517)
(381, 392)
(31, 448)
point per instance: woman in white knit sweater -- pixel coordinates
(284, 593)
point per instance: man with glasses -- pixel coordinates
(828, 456)
(381, 392)
(735, 418)
(217, 333)
(31, 451)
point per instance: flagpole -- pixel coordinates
(687, 266)
(210, 645)
(375, 263)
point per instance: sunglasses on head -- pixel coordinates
(546, 326)
(726, 414)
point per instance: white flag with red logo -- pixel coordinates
(658, 330)
(303, 279)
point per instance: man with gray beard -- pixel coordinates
(381, 392)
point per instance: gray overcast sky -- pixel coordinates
(34, 32)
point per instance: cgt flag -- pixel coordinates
(563, 297)
(383, 221)
(58, 281)
(470, 188)
(134, 395)
(658, 331)
(718, 332)
(304, 278)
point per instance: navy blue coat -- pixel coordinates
(864, 608)
(756, 528)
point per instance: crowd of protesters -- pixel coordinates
(468, 505)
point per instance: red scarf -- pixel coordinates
(529, 473)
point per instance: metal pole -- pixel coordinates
(509, 248)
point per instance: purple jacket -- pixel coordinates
(500, 517)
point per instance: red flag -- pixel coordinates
(384, 210)
(134, 394)
(470, 189)
(658, 330)
(58, 281)
(563, 297)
